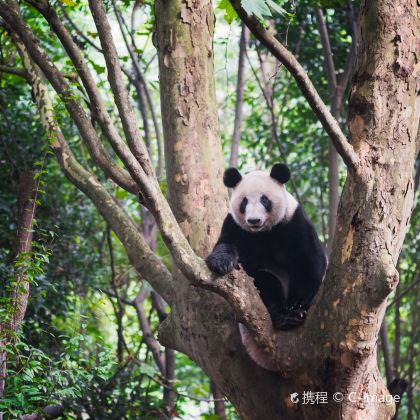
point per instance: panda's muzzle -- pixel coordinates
(254, 223)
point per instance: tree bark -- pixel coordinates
(26, 205)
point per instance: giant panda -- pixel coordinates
(269, 234)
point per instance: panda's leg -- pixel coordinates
(295, 306)
(273, 291)
(302, 291)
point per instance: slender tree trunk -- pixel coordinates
(26, 205)
(336, 98)
(219, 404)
(412, 357)
(240, 82)
(386, 350)
(397, 335)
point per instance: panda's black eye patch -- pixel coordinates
(266, 202)
(242, 207)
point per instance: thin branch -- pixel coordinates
(386, 350)
(77, 29)
(397, 334)
(169, 394)
(219, 403)
(351, 57)
(14, 70)
(290, 62)
(119, 310)
(148, 336)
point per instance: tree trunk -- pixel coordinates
(386, 350)
(201, 324)
(219, 404)
(374, 211)
(240, 84)
(26, 204)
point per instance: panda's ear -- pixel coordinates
(280, 172)
(231, 177)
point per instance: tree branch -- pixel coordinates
(326, 48)
(10, 13)
(118, 87)
(148, 337)
(14, 70)
(139, 254)
(330, 124)
(98, 108)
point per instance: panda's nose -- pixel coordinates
(254, 221)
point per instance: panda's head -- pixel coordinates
(259, 200)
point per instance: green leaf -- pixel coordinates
(258, 8)
(230, 13)
(272, 5)
(98, 68)
(70, 3)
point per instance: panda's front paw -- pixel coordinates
(223, 259)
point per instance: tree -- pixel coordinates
(335, 350)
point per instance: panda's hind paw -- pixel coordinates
(292, 317)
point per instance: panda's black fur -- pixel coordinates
(287, 260)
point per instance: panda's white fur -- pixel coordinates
(254, 351)
(253, 186)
